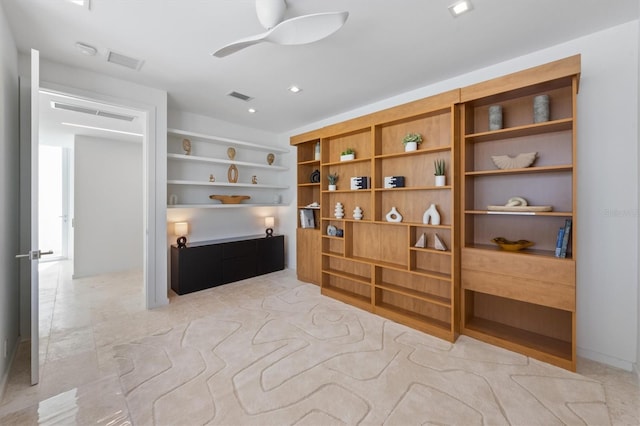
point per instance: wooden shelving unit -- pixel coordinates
(308, 241)
(375, 265)
(523, 301)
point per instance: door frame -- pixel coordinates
(154, 199)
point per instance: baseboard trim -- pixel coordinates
(606, 359)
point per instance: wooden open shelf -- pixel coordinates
(551, 213)
(521, 131)
(546, 169)
(352, 277)
(419, 322)
(436, 300)
(545, 348)
(356, 300)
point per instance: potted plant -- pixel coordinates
(333, 178)
(411, 141)
(347, 154)
(439, 172)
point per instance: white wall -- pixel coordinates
(607, 221)
(108, 231)
(9, 201)
(153, 102)
(209, 224)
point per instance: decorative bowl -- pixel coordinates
(229, 199)
(512, 245)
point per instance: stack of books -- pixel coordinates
(562, 242)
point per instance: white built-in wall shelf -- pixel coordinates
(228, 184)
(226, 141)
(183, 157)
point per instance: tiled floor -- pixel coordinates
(92, 370)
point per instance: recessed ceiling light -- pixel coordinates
(86, 49)
(252, 110)
(83, 3)
(295, 89)
(460, 7)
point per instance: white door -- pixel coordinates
(34, 253)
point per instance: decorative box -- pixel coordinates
(394, 181)
(360, 182)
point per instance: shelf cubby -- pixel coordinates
(346, 268)
(348, 290)
(431, 289)
(539, 330)
(417, 313)
(434, 127)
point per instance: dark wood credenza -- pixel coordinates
(206, 264)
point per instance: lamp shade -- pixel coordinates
(181, 228)
(269, 221)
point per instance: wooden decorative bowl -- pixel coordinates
(229, 199)
(512, 245)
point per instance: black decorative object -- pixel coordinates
(315, 177)
(182, 242)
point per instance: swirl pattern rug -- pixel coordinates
(276, 352)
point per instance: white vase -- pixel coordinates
(393, 215)
(357, 213)
(332, 187)
(431, 214)
(339, 211)
(410, 146)
(347, 157)
(440, 180)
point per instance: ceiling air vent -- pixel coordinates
(91, 111)
(125, 61)
(240, 96)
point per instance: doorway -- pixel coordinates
(84, 148)
(54, 185)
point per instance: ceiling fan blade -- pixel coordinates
(299, 30)
(240, 44)
(307, 28)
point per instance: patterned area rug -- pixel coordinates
(276, 353)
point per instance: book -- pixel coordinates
(559, 241)
(565, 238)
(306, 218)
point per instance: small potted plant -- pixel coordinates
(411, 141)
(347, 154)
(439, 172)
(333, 178)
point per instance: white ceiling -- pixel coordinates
(385, 48)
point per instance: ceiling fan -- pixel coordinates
(298, 30)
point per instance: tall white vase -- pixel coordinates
(431, 214)
(393, 215)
